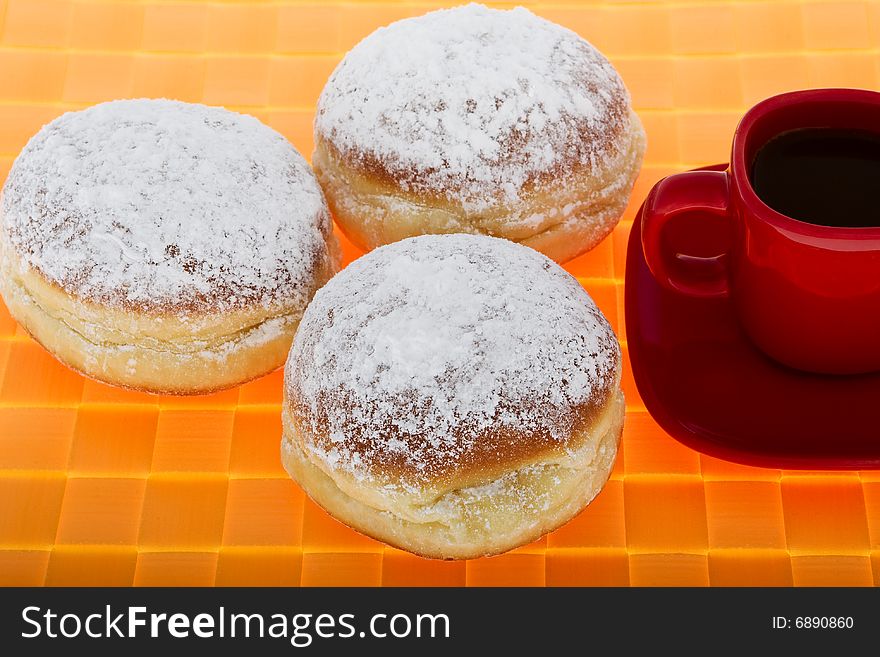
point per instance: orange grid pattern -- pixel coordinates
(104, 486)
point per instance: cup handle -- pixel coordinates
(690, 193)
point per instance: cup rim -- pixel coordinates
(739, 167)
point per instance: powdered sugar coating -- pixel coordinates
(168, 206)
(473, 103)
(438, 353)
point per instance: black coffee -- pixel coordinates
(823, 176)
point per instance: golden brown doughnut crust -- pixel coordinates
(496, 450)
(152, 352)
(562, 218)
(517, 507)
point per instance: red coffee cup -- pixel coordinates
(807, 295)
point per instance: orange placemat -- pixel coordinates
(103, 486)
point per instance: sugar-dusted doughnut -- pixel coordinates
(475, 120)
(452, 395)
(161, 245)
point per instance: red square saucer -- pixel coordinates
(706, 384)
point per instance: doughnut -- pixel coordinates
(163, 246)
(482, 121)
(454, 396)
